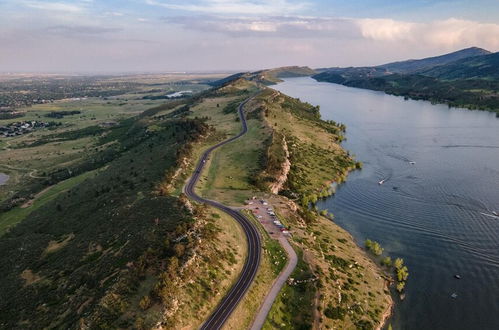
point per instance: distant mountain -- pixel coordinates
(466, 78)
(415, 66)
(478, 67)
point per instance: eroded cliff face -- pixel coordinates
(283, 176)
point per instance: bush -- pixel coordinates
(145, 303)
(335, 313)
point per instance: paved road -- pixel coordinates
(236, 293)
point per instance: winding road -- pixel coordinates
(250, 268)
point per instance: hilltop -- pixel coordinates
(476, 67)
(414, 66)
(268, 76)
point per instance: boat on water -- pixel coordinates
(457, 276)
(412, 162)
(454, 295)
(381, 182)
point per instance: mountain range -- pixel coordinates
(466, 78)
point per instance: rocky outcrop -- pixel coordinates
(283, 176)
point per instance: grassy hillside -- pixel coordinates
(78, 257)
(414, 66)
(478, 67)
(269, 76)
(100, 241)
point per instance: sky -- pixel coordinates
(106, 36)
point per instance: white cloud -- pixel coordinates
(114, 13)
(447, 33)
(274, 26)
(444, 34)
(385, 29)
(255, 7)
(53, 6)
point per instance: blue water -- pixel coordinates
(436, 213)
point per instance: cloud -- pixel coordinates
(73, 31)
(385, 29)
(276, 26)
(255, 7)
(53, 6)
(449, 33)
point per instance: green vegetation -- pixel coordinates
(11, 218)
(293, 308)
(349, 290)
(99, 240)
(106, 239)
(374, 247)
(397, 265)
(309, 144)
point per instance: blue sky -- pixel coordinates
(205, 35)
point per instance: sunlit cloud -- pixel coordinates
(449, 33)
(256, 7)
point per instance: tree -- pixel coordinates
(374, 247)
(398, 263)
(377, 249)
(387, 261)
(400, 286)
(402, 273)
(368, 243)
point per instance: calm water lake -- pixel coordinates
(437, 213)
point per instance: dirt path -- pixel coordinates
(31, 173)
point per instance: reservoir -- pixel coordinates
(435, 208)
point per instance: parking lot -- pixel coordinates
(265, 214)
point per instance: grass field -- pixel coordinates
(228, 177)
(294, 307)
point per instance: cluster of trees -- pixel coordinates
(61, 114)
(374, 247)
(401, 271)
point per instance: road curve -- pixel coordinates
(248, 273)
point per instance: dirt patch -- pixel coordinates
(30, 277)
(54, 246)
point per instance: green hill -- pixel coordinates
(478, 67)
(269, 76)
(414, 66)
